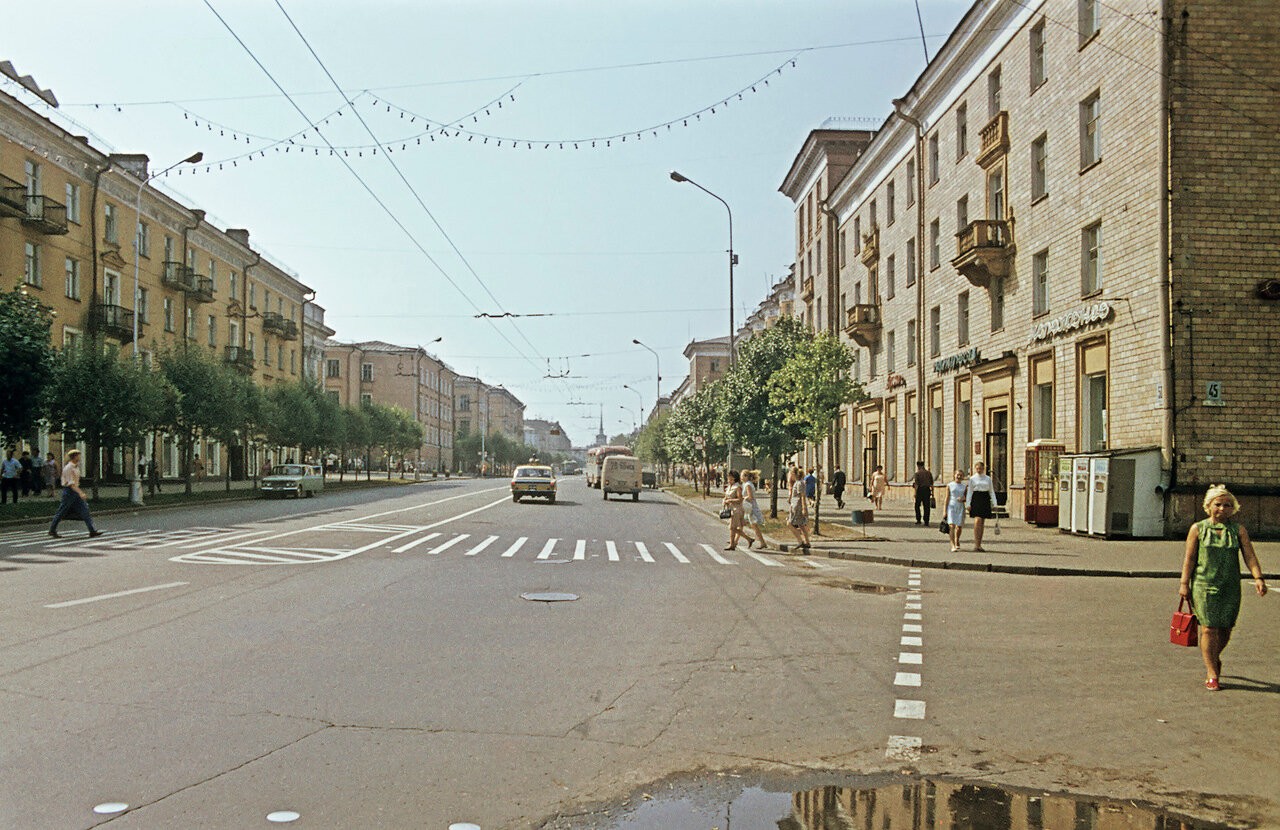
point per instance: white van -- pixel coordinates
(620, 474)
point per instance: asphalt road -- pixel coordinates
(366, 660)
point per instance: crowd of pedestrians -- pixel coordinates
(26, 475)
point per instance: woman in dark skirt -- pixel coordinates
(981, 501)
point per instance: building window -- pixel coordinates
(911, 182)
(874, 353)
(857, 235)
(1090, 20)
(933, 159)
(993, 93)
(1040, 283)
(889, 199)
(1039, 68)
(1040, 168)
(366, 399)
(935, 431)
(111, 288)
(857, 364)
(1092, 358)
(189, 330)
(168, 314)
(997, 303)
(366, 371)
(1091, 259)
(891, 353)
(873, 219)
(935, 331)
(31, 271)
(144, 240)
(233, 333)
(253, 294)
(1042, 414)
(891, 440)
(280, 357)
(252, 345)
(911, 261)
(962, 213)
(935, 254)
(233, 280)
(962, 131)
(911, 342)
(110, 232)
(73, 202)
(995, 194)
(213, 331)
(144, 302)
(73, 278)
(890, 279)
(964, 424)
(962, 319)
(293, 362)
(1090, 131)
(840, 253)
(333, 368)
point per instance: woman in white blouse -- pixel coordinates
(980, 500)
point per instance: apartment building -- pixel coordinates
(407, 377)
(480, 407)
(114, 258)
(546, 436)
(1065, 232)
(708, 362)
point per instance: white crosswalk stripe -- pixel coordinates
(675, 551)
(475, 550)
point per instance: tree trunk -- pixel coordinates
(777, 482)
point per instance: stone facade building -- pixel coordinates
(1067, 231)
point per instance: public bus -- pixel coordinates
(595, 461)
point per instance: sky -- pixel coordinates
(590, 248)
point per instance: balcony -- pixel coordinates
(238, 358)
(274, 323)
(290, 331)
(13, 198)
(200, 288)
(176, 276)
(806, 289)
(871, 247)
(993, 140)
(112, 321)
(984, 250)
(46, 215)
(862, 324)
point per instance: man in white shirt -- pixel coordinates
(73, 500)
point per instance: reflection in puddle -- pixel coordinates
(910, 805)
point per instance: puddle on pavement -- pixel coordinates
(856, 586)
(905, 804)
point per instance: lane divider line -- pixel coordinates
(101, 597)
(415, 543)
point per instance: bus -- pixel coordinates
(595, 460)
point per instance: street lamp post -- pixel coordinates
(733, 258)
(657, 364)
(639, 398)
(137, 237)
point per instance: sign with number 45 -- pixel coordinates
(1213, 393)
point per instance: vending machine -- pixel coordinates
(1065, 489)
(1099, 470)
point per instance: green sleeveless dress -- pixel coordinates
(1215, 585)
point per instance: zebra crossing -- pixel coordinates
(245, 545)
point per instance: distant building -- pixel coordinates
(546, 436)
(708, 362)
(479, 407)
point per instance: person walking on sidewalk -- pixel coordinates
(10, 474)
(838, 481)
(875, 489)
(1211, 576)
(922, 483)
(751, 508)
(956, 492)
(981, 502)
(73, 500)
(50, 472)
(797, 508)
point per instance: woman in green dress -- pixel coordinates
(1211, 575)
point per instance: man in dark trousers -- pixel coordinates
(922, 481)
(838, 481)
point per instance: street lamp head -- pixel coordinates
(676, 177)
(637, 342)
(198, 155)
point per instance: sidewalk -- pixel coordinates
(894, 538)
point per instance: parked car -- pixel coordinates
(620, 474)
(297, 480)
(533, 480)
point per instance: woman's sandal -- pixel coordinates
(1211, 684)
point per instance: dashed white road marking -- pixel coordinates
(515, 546)
(913, 616)
(675, 551)
(486, 543)
(913, 606)
(547, 548)
(455, 540)
(910, 658)
(909, 709)
(580, 550)
(906, 678)
(911, 641)
(643, 550)
(99, 598)
(612, 550)
(912, 628)
(763, 560)
(716, 556)
(419, 541)
(904, 748)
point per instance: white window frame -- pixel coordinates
(1040, 167)
(1091, 130)
(1091, 259)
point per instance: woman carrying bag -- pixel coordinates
(981, 502)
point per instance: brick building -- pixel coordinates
(1066, 231)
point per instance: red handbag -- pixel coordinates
(1184, 630)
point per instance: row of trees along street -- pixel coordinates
(786, 388)
(94, 394)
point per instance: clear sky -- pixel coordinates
(599, 238)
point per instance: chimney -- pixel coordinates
(240, 235)
(135, 164)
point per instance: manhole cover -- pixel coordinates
(548, 596)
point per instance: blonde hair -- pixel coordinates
(751, 475)
(1215, 492)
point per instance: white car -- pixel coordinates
(297, 480)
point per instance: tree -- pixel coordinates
(650, 444)
(696, 431)
(811, 387)
(754, 421)
(246, 417)
(357, 433)
(26, 362)
(202, 398)
(293, 415)
(96, 397)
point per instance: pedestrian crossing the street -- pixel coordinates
(242, 545)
